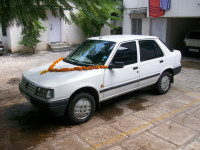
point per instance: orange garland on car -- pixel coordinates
(52, 69)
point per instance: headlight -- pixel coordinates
(46, 93)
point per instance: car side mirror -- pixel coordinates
(116, 64)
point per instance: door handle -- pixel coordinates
(161, 61)
(51, 28)
(135, 68)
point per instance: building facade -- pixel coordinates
(171, 28)
(57, 31)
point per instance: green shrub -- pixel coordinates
(90, 26)
(31, 34)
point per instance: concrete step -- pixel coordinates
(59, 47)
(63, 49)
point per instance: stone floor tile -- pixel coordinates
(72, 142)
(173, 132)
(43, 147)
(193, 94)
(170, 105)
(188, 84)
(150, 114)
(137, 104)
(174, 92)
(111, 112)
(185, 99)
(156, 98)
(64, 131)
(94, 121)
(187, 120)
(126, 110)
(192, 146)
(130, 122)
(147, 141)
(99, 135)
(197, 90)
(116, 148)
(182, 88)
(195, 112)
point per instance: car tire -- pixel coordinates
(164, 83)
(81, 108)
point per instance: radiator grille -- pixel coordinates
(28, 86)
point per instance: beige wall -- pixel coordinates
(135, 3)
(179, 8)
(70, 33)
(184, 8)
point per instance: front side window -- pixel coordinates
(149, 49)
(91, 52)
(126, 53)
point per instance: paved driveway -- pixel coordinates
(139, 120)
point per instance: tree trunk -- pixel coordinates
(33, 48)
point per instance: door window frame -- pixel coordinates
(154, 50)
(117, 47)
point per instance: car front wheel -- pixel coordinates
(81, 108)
(164, 83)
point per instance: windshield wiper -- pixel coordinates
(87, 63)
(72, 61)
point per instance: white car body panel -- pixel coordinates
(107, 82)
(64, 83)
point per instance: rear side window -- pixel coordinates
(149, 49)
(127, 53)
(194, 35)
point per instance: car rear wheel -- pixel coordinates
(164, 83)
(81, 108)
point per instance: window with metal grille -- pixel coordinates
(137, 26)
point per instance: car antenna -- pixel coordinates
(100, 37)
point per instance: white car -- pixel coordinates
(192, 42)
(68, 89)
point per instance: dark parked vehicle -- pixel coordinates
(192, 42)
(1, 47)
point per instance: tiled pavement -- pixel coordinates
(139, 120)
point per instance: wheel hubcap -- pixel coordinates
(82, 108)
(165, 83)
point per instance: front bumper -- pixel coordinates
(55, 108)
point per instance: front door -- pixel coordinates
(121, 80)
(54, 27)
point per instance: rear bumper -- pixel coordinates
(177, 70)
(54, 108)
(189, 49)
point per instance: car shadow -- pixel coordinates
(22, 125)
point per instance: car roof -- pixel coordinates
(122, 38)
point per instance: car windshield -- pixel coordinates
(91, 52)
(194, 35)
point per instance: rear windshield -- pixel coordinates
(194, 35)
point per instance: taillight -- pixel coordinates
(184, 42)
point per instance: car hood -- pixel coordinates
(52, 79)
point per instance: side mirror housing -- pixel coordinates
(116, 64)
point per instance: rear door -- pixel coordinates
(152, 62)
(120, 80)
